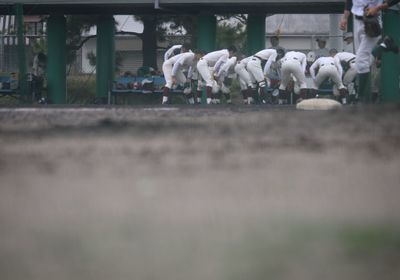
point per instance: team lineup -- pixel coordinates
(269, 76)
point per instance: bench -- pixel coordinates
(8, 85)
(131, 85)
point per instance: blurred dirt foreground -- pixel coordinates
(179, 193)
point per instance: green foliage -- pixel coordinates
(76, 26)
(81, 89)
(228, 35)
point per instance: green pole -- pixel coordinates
(350, 24)
(56, 59)
(105, 56)
(206, 37)
(390, 70)
(21, 51)
(206, 32)
(255, 33)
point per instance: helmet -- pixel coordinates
(311, 56)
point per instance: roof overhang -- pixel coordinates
(42, 7)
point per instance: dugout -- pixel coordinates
(205, 11)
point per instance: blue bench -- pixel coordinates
(8, 85)
(131, 85)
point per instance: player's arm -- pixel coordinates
(304, 63)
(271, 59)
(338, 66)
(346, 14)
(177, 65)
(312, 68)
(373, 11)
(219, 62)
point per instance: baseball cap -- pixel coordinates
(322, 39)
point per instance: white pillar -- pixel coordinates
(335, 40)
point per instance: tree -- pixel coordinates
(231, 31)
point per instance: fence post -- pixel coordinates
(255, 33)
(206, 39)
(105, 55)
(22, 83)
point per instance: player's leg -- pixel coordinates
(205, 74)
(254, 67)
(167, 71)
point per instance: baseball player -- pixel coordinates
(293, 63)
(209, 65)
(364, 41)
(328, 67)
(348, 42)
(176, 49)
(246, 81)
(226, 69)
(173, 72)
(348, 63)
(254, 68)
(322, 49)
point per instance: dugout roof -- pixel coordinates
(172, 6)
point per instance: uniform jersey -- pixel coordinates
(358, 5)
(268, 55)
(184, 60)
(216, 58)
(227, 66)
(170, 52)
(344, 57)
(321, 52)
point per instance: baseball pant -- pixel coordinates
(255, 69)
(205, 73)
(289, 67)
(167, 70)
(363, 45)
(350, 74)
(325, 72)
(245, 79)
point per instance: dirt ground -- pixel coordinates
(171, 193)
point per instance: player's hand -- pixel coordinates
(372, 11)
(343, 23)
(173, 80)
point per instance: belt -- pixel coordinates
(351, 60)
(327, 64)
(358, 17)
(257, 57)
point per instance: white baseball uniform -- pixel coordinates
(227, 68)
(224, 71)
(254, 64)
(350, 60)
(293, 63)
(214, 60)
(170, 52)
(174, 67)
(363, 43)
(245, 79)
(327, 68)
